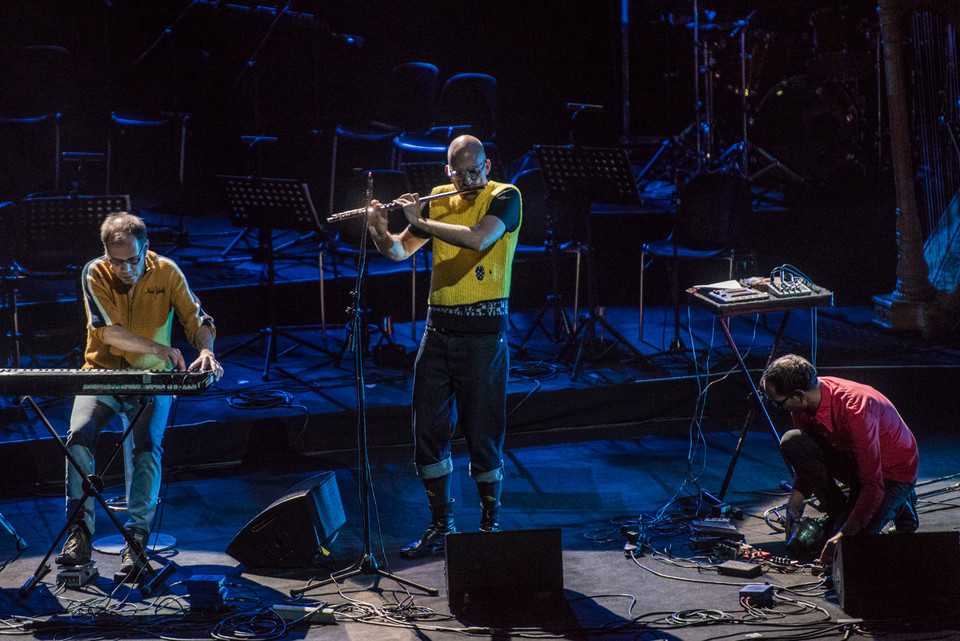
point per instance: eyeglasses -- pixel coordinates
(473, 173)
(132, 262)
(779, 403)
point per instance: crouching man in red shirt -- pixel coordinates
(849, 433)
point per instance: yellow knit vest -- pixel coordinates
(465, 276)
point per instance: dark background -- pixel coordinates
(306, 77)
(544, 54)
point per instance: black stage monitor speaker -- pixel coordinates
(491, 574)
(884, 576)
(292, 531)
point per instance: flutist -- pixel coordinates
(460, 375)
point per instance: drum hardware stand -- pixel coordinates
(744, 147)
(367, 563)
(703, 122)
(93, 488)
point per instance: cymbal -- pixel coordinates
(685, 18)
(710, 25)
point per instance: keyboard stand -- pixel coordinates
(93, 487)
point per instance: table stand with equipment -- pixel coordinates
(725, 306)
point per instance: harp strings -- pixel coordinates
(936, 113)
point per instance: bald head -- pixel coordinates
(467, 165)
(465, 150)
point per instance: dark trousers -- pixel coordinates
(460, 380)
(821, 466)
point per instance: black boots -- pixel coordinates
(441, 507)
(434, 539)
(489, 505)
(490, 517)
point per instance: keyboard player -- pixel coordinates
(131, 296)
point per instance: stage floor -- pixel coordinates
(594, 491)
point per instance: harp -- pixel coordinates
(921, 48)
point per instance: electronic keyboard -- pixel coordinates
(73, 382)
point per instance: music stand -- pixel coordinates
(585, 175)
(563, 329)
(269, 204)
(424, 176)
(56, 237)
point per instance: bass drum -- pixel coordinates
(812, 127)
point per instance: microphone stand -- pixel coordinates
(165, 33)
(367, 563)
(263, 41)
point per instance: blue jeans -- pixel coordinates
(821, 465)
(90, 415)
(460, 380)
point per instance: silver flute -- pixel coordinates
(360, 211)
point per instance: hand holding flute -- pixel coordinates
(376, 206)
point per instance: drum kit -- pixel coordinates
(786, 92)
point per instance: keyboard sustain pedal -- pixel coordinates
(75, 576)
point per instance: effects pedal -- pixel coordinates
(206, 590)
(76, 576)
(758, 595)
(785, 288)
(740, 569)
(736, 295)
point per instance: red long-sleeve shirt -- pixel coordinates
(859, 420)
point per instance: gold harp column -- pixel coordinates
(911, 306)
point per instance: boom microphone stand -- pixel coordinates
(367, 563)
